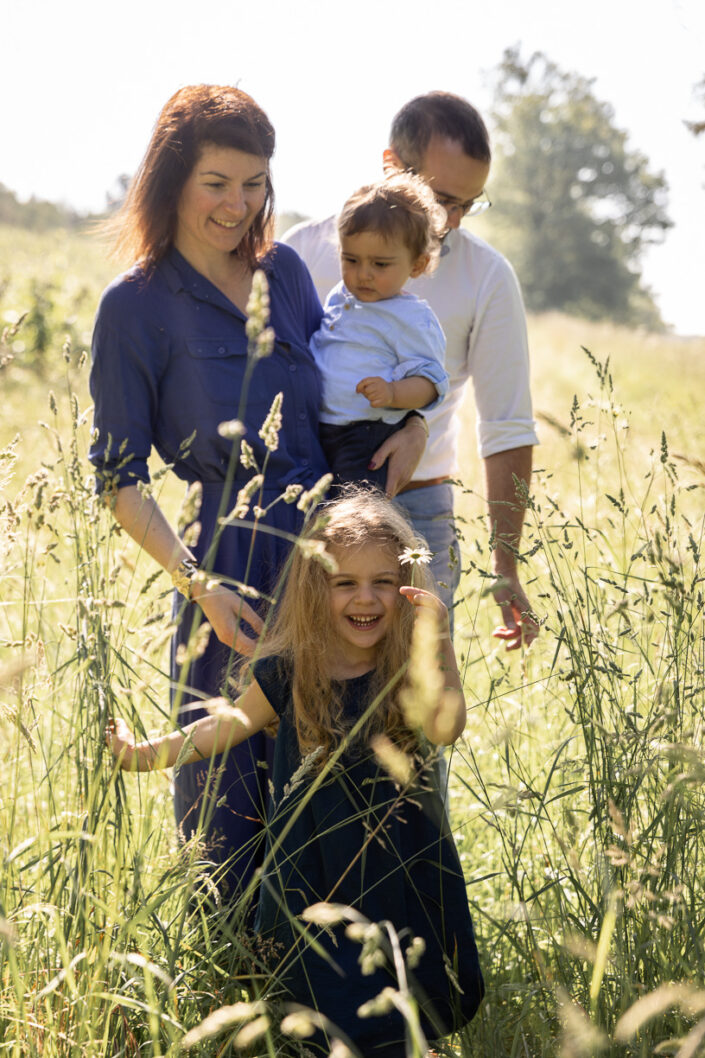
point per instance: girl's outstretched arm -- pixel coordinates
(446, 722)
(227, 725)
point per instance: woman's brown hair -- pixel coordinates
(145, 226)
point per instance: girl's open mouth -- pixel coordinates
(363, 622)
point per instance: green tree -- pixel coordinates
(575, 206)
(36, 214)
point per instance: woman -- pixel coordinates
(169, 363)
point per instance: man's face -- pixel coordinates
(455, 178)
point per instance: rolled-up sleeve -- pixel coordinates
(420, 346)
(499, 365)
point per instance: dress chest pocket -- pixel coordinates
(218, 368)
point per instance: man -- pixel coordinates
(475, 294)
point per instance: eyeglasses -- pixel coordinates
(465, 209)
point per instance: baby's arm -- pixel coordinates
(411, 392)
(228, 725)
(446, 723)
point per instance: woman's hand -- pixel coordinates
(226, 612)
(403, 450)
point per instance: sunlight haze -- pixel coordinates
(82, 84)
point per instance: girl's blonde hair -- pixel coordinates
(402, 206)
(302, 634)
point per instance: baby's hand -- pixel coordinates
(122, 743)
(427, 600)
(378, 391)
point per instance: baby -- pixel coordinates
(389, 233)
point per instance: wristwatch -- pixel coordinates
(182, 576)
(414, 414)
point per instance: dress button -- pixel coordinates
(347, 305)
(292, 367)
(302, 414)
(221, 349)
(305, 462)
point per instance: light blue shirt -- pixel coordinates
(393, 339)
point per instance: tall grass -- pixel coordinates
(586, 765)
(576, 795)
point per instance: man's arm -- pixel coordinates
(506, 512)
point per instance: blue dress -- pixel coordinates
(357, 841)
(169, 361)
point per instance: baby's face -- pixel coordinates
(375, 268)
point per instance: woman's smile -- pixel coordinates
(219, 202)
(226, 223)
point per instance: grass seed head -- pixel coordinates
(422, 692)
(381, 1004)
(222, 1019)
(298, 1024)
(273, 424)
(393, 759)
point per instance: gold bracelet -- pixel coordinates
(182, 576)
(422, 422)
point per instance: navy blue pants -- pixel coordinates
(349, 448)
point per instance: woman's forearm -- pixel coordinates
(142, 518)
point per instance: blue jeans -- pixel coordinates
(430, 510)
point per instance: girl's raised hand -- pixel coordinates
(426, 599)
(443, 724)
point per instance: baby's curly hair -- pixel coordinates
(402, 206)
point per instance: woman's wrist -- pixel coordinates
(415, 418)
(183, 577)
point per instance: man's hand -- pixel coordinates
(378, 391)
(520, 626)
(403, 450)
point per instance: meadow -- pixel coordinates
(576, 792)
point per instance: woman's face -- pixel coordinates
(219, 202)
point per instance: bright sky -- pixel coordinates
(83, 81)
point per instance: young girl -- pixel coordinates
(341, 829)
(380, 350)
